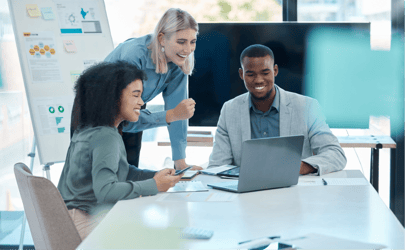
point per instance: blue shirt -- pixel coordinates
(267, 124)
(172, 85)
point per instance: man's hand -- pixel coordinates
(181, 164)
(184, 110)
(166, 179)
(306, 168)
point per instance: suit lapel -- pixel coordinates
(285, 113)
(245, 118)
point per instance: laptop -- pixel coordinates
(267, 163)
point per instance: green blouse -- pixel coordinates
(97, 172)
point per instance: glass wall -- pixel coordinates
(16, 132)
(378, 12)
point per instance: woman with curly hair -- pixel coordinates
(96, 173)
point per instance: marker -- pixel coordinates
(324, 182)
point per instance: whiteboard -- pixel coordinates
(56, 40)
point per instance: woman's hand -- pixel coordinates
(181, 164)
(184, 110)
(166, 179)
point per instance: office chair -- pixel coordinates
(50, 223)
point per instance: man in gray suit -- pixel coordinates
(269, 111)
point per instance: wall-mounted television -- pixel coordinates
(216, 79)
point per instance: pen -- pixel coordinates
(270, 238)
(324, 182)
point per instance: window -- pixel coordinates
(16, 133)
(378, 12)
(141, 16)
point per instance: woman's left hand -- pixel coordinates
(181, 164)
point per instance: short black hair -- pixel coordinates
(98, 93)
(256, 50)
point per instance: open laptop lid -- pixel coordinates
(270, 163)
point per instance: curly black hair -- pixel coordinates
(98, 93)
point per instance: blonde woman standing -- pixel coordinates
(167, 58)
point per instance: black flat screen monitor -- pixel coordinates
(216, 79)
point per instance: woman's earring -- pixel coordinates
(163, 49)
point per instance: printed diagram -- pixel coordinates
(78, 17)
(42, 57)
(84, 13)
(42, 49)
(54, 114)
(72, 19)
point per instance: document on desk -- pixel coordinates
(198, 197)
(333, 182)
(216, 170)
(346, 181)
(188, 186)
(320, 241)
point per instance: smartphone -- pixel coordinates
(182, 171)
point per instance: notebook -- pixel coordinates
(267, 163)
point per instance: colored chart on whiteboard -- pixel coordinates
(54, 114)
(42, 56)
(78, 17)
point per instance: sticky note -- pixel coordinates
(33, 10)
(47, 13)
(70, 46)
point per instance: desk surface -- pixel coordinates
(367, 141)
(349, 212)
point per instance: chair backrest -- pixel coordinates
(49, 220)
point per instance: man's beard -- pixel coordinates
(265, 97)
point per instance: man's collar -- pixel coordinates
(275, 104)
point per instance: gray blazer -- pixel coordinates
(298, 115)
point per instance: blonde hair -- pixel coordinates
(172, 21)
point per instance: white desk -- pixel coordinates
(350, 212)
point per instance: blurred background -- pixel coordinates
(128, 18)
